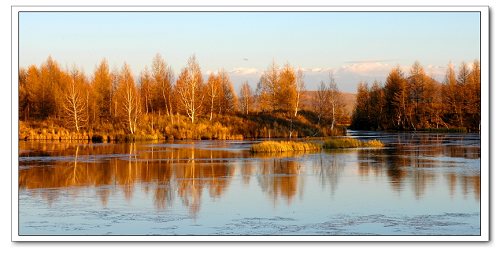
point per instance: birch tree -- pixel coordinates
(213, 91)
(189, 88)
(74, 104)
(246, 97)
(163, 78)
(299, 87)
(128, 100)
(333, 98)
(320, 101)
(115, 83)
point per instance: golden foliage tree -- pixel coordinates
(474, 96)
(279, 89)
(420, 102)
(286, 92)
(26, 92)
(146, 90)
(102, 88)
(163, 82)
(267, 88)
(48, 94)
(396, 96)
(228, 100)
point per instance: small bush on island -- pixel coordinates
(283, 146)
(351, 143)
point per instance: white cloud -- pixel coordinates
(436, 71)
(367, 68)
(244, 71)
(318, 70)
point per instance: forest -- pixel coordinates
(108, 105)
(415, 101)
(60, 104)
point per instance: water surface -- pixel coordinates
(420, 184)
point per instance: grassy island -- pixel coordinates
(351, 143)
(285, 146)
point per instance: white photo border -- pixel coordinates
(485, 120)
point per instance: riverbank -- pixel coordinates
(178, 127)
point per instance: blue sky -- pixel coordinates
(355, 46)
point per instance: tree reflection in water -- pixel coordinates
(187, 172)
(418, 166)
(279, 177)
(329, 167)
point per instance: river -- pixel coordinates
(419, 184)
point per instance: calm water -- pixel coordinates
(421, 184)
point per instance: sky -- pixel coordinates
(354, 46)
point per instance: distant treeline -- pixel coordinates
(415, 101)
(66, 104)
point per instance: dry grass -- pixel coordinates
(351, 143)
(374, 144)
(283, 146)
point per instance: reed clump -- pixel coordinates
(351, 143)
(283, 146)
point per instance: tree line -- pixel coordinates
(415, 101)
(114, 99)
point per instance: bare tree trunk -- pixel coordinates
(211, 106)
(299, 87)
(167, 111)
(193, 110)
(247, 103)
(88, 111)
(333, 116)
